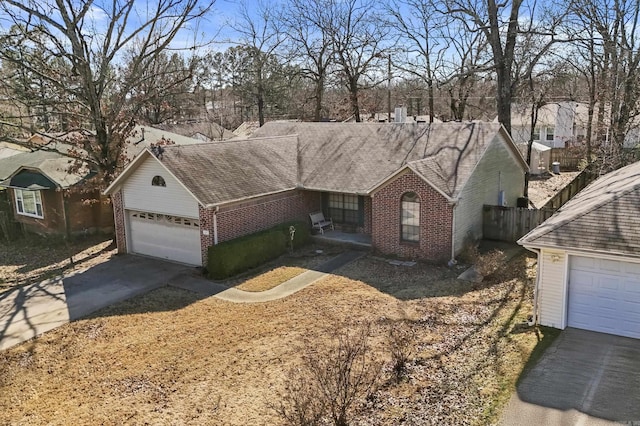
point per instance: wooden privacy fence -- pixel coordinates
(510, 223)
(578, 183)
(569, 158)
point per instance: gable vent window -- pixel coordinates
(158, 181)
(410, 217)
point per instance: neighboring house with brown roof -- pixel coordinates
(589, 258)
(416, 189)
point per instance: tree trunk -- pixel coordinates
(317, 112)
(353, 98)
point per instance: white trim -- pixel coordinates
(250, 197)
(37, 194)
(134, 164)
(585, 252)
(565, 291)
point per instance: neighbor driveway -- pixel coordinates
(30, 310)
(583, 378)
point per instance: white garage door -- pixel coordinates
(604, 296)
(164, 236)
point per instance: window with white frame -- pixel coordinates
(550, 132)
(410, 217)
(29, 203)
(536, 133)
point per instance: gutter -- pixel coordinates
(215, 226)
(453, 260)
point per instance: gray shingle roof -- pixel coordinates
(356, 157)
(226, 171)
(603, 217)
(339, 157)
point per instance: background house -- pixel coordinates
(589, 258)
(47, 189)
(46, 197)
(560, 125)
(417, 190)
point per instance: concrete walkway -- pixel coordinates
(295, 284)
(584, 378)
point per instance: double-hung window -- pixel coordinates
(29, 203)
(550, 133)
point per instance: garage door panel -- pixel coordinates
(165, 237)
(604, 296)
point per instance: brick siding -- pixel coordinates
(245, 218)
(86, 213)
(118, 218)
(435, 220)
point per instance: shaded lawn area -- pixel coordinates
(167, 357)
(33, 258)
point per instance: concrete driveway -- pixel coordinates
(28, 311)
(584, 378)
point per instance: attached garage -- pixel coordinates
(589, 258)
(604, 296)
(165, 236)
(161, 216)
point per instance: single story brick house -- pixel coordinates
(417, 189)
(589, 258)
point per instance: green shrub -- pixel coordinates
(232, 257)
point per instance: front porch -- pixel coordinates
(344, 238)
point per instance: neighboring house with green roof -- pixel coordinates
(45, 196)
(589, 258)
(46, 187)
(417, 190)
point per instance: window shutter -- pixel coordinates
(360, 210)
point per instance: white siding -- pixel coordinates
(498, 169)
(173, 199)
(552, 289)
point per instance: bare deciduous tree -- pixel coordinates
(358, 42)
(90, 38)
(504, 24)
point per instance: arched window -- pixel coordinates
(158, 181)
(410, 217)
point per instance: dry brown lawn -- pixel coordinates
(271, 279)
(33, 258)
(169, 358)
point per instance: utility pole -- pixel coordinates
(389, 87)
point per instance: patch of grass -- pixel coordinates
(271, 279)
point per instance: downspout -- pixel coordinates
(215, 226)
(453, 260)
(65, 217)
(534, 316)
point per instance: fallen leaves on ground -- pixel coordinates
(34, 259)
(167, 357)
